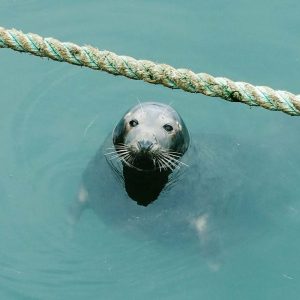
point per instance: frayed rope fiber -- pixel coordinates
(151, 72)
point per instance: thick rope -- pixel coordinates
(151, 72)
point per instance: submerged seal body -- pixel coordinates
(149, 177)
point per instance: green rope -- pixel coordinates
(150, 72)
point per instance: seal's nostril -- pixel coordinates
(145, 145)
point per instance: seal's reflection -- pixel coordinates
(144, 188)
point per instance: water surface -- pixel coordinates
(54, 117)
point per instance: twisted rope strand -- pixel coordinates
(150, 72)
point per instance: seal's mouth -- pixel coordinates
(148, 158)
(144, 160)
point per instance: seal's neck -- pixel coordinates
(144, 187)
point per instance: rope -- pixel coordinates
(151, 72)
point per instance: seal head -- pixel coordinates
(151, 136)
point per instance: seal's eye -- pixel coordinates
(168, 128)
(133, 123)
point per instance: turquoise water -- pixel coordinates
(54, 116)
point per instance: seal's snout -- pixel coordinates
(145, 145)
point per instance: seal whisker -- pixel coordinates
(168, 166)
(157, 162)
(116, 152)
(116, 148)
(140, 105)
(171, 162)
(154, 159)
(110, 153)
(166, 163)
(175, 160)
(121, 144)
(160, 163)
(121, 148)
(126, 157)
(125, 160)
(114, 157)
(118, 155)
(131, 159)
(173, 153)
(182, 163)
(122, 151)
(162, 166)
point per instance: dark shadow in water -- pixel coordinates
(144, 187)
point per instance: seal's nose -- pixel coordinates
(145, 145)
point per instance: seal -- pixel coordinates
(149, 140)
(150, 178)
